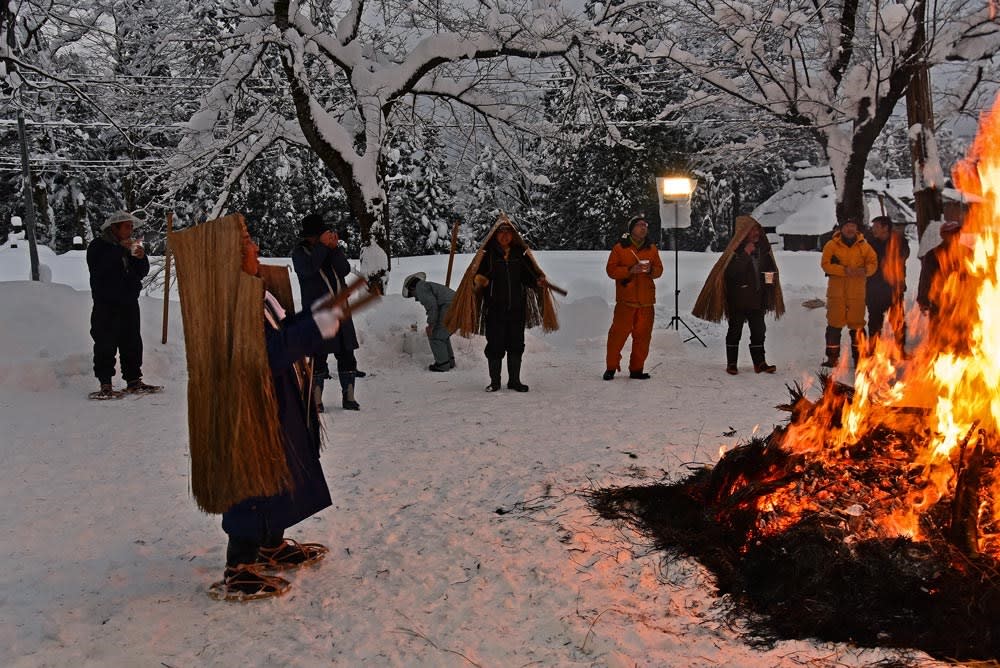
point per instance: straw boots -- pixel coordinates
(494, 373)
(514, 374)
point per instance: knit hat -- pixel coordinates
(313, 225)
(410, 282)
(635, 220)
(119, 217)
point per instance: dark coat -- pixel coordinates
(889, 281)
(115, 274)
(296, 338)
(321, 271)
(745, 287)
(509, 278)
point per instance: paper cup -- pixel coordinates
(769, 276)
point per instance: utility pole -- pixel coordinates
(920, 112)
(29, 201)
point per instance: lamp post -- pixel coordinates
(675, 190)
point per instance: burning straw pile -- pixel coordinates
(873, 516)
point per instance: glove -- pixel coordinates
(480, 281)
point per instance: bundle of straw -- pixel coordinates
(466, 315)
(237, 451)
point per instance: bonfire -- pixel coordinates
(873, 516)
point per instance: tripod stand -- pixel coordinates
(677, 321)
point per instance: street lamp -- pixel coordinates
(676, 190)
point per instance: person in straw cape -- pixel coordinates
(743, 286)
(253, 429)
(502, 293)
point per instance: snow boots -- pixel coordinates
(494, 374)
(290, 554)
(138, 387)
(347, 391)
(760, 364)
(732, 355)
(514, 374)
(106, 392)
(639, 375)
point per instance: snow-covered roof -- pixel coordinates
(803, 184)
(818, 215)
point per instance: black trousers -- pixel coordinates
(504, 334)
(115, 330)
(753, 318)
(347, 364)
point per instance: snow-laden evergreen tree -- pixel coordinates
(423, 209)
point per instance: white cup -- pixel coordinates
(645, 265)
(769, 277)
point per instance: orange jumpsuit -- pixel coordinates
(635, 295)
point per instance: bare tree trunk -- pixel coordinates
(920, 112)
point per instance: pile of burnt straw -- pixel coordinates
(783, 537)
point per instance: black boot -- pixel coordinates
(732, 355)
(832, 347)
(514, 374)
(760, 364)
(855, 345)
(347, 391)
(494, 374)
(318, 394)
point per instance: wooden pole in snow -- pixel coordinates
(454, 245)
(166, 274)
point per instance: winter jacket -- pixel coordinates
(322, 271)
(947, 258)
(634, 290)
(745, 286)
(435, 299)
(509, 277)
(845, 295)
(115, 274)
(295, 338)
(888, 283)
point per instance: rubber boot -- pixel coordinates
(732, 355)
(832, 347)
(494, 374)
(760, 364)
(347, 391)
(318, 394)
(855, 345)
(514, 373)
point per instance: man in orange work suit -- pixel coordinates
(633, 264)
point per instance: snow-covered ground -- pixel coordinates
(459, 532)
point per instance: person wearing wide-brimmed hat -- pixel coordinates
(436, 299)
(322, 268)
(117, 265)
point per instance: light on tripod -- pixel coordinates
(676, 190)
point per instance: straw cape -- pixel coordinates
(466, 315)
(235, 438)
(711, 302)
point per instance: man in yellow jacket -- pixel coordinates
(848, 261)
(633, 264)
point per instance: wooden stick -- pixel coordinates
(451, 256)
(340, 299)
(556, 289)
(166, 275)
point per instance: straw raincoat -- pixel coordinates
(714, 302)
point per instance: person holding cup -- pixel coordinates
(633, 264)
(743, 286)
(117, 264)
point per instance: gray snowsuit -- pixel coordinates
(436, 299)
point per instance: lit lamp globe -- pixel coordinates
(675, 188)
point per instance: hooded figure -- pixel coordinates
(743, 286)
(633, 264)
(502, 293)
(254, 434)
(435, 298)
(117, 265)
(322, 269)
